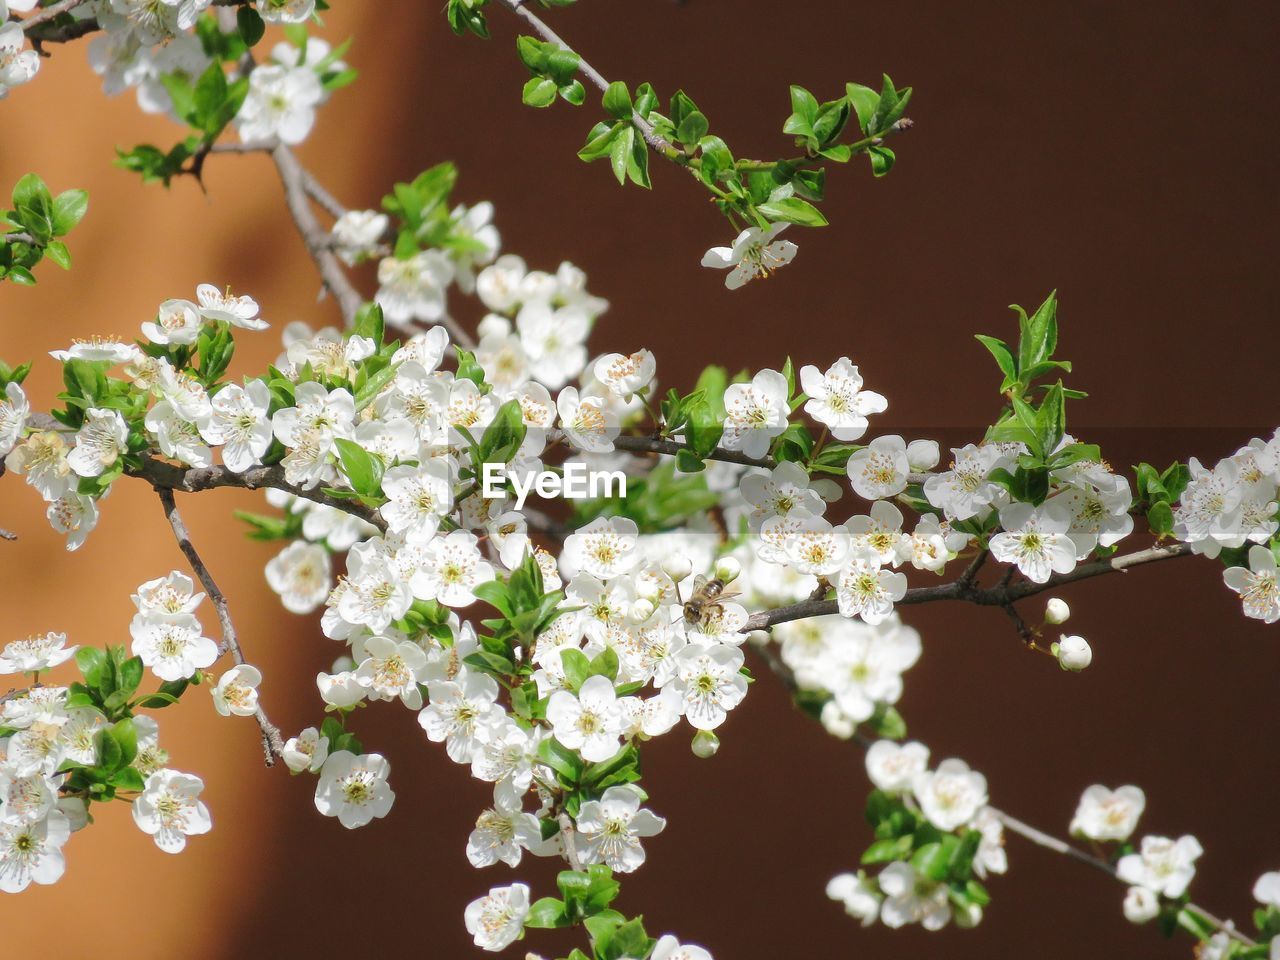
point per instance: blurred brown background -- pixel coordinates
(1123, 153)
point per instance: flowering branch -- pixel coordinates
(167, 476)
(1001, 595)
(1011, 823)
(272, 742)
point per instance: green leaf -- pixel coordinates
(547, 912)
(620, 152)
(617, 101)
(576, 667)
(882, 159)
(68, 210)
(1003, 356)
(804, 111)
(692, 128)
(864, 101)
(362, 469)
(1160, 518)
(250, 25)
(793, 210)
(539, 92)
(57, 252)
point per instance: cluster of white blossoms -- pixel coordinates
(184, 422)
(17, 64)
(47, 732)
(950, 798)
(145, 45)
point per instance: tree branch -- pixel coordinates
(272, 742)
(315, 237)
(167, 476)
(658, 144)
(1002, 595)
(1011, 823)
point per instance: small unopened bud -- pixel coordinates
(1073, 653)
(677, 567)
(837, 722)
(968, 916)
(342, 665)
(923, 455)
(705, 744)
(648, 588)
(1140, 905)
(727, 569)
(1056, 611)
(759, 638)
(642, 610)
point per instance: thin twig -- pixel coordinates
(49, 13)
(315, 237)
(658, 144)
(272, 742)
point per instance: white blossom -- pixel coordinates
(879, 470)
(222, 305)
(307, 751)
(893, 767)
(31, 852)
(36, 653)
(610, 829)
(1257, 585)
(459, 712)
(1104, 814)
(172, 645)
(755, 413)
(950, 796)
(236, 692)
(837, 400)
(169, 809)
(354, 788)
(1162, 865)
(238, 422)
(909, 897)
(589, 721)
(755, 253)
(14, 411)
(99, 442)
(301, 574)
(496, 921)
(281, 104)
(859, 894)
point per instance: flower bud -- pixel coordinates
(705, 744)
(677, 567)
(923, 455)
(648, 588)
(759, 638)
(727, 569)
(642, 610)
(968, 916)
(1056, 611)
(342, 664)
(1073, 653)
(837, 722)
(1140, 905)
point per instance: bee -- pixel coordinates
(705, 601)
